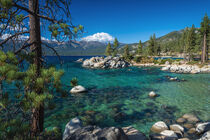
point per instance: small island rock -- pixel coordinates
(78, 89)
(152, 94)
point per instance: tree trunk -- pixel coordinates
(203, 56)
(37, 120)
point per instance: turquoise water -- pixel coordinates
(119, 97)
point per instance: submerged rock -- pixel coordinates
(191, 118)
(78, 89)
(152, 94)
(181, 120)
(159, 127)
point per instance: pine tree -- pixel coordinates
(108, 51)
(205, 31)
(115, 47)
(16, 14)
(191, 42)
(126, 53)
(140, 48)
(152, 45)
(158, 49)
(184, 41)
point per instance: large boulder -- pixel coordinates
(96, 133)
(78, 89)
(169, 133)
(176, 127)
(203, 127)
(159, 127)
(206, 136)
(71, 127)
(134, 134)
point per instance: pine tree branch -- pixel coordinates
(23, 47)
(10, 37)
(53, 51)
(37, 15)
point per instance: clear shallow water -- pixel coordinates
(119, 97)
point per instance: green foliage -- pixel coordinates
(6, 3)
(74, 82)
(108, 50)
(115, 47)
(26, 97)
(126, 53)
(152, 45)
(140, 48)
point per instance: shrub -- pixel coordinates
(74, 82)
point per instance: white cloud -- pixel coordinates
(101, 37)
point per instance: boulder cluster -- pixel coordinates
(188, 127)
(107, 62)
(74, 130)
(186, 68)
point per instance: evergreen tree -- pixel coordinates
(184, 41)
(158, 49)
(115, 47)
(108, 51)
(56, 16)
(126, 53)
(205, 31)
(191, 42)
(140, 48)
(152, 45)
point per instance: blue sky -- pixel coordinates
(134, 20)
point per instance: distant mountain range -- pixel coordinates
(172, 36)
(88, 48)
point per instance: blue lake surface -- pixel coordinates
(119, 97)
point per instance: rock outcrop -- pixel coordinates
(107, 62)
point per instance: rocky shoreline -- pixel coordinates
(193, 69)
(118, 62)
(188, 127)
